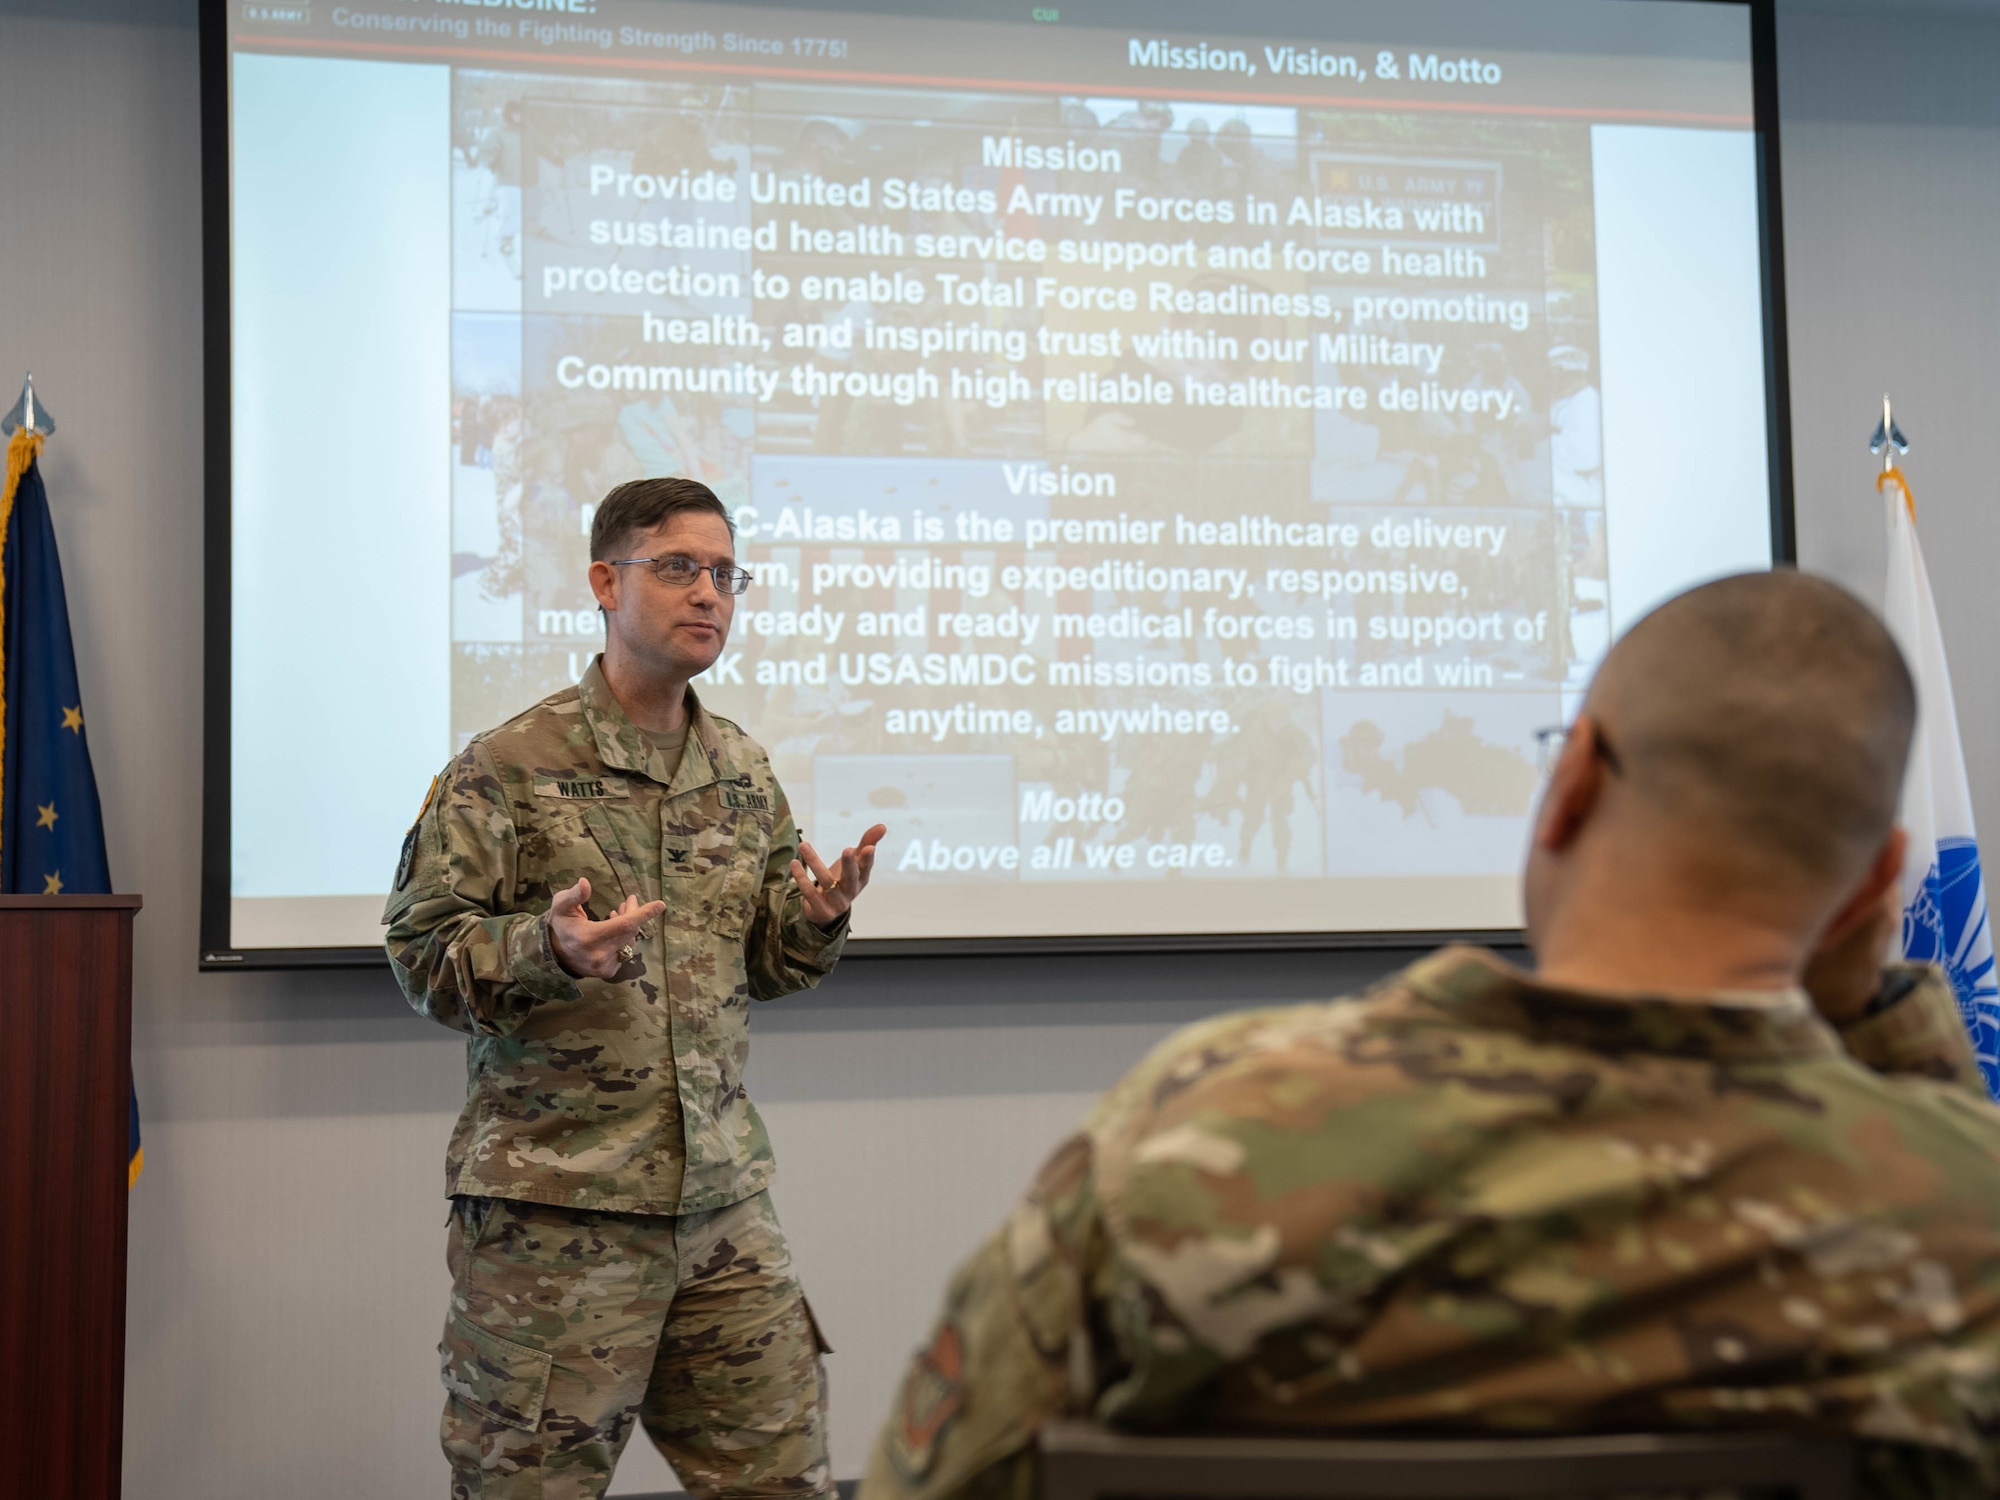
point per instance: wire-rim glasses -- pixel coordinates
(1549, 744)
(680, 571)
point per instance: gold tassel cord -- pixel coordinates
(1883, 480)
(24, 448)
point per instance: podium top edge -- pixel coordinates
(71, 903)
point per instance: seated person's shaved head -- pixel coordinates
(1712, 1163)
(1771, 713)
(1738, 760)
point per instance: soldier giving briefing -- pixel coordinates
(594, 892)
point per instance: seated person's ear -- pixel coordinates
(1575, 783)
(1881, 883)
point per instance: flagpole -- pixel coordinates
(50, 752)
(1945, 915)
(28, 428)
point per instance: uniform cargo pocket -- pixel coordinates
(819, 1338)
(469, 1216)
(508, 1382)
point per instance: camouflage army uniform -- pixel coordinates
(614, 1253)
(1468, 1202)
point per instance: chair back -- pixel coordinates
(1082, 1461)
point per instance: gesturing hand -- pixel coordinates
(590, 949)
(828, 895)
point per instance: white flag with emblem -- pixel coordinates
(1944, 893)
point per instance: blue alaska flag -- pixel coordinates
(51, 828)
(1944, 891)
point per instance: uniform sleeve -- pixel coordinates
(460, 956)
(1914, 1026)
(1050, 1318)
(1011, 1351)
(786, 951)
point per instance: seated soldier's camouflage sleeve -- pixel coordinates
(785, 952)
(1015, 1315)
(460, 956)
(1915, 1026)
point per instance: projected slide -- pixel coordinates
(1182, 468)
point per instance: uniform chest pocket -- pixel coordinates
(558, 851)
(712, 862)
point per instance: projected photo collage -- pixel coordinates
(1136, 489)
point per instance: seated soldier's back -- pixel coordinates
(1469, 1202)
(1651, 1189)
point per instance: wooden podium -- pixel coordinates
(65, 1081)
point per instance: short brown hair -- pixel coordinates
(640, 505)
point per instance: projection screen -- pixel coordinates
(1185, 452)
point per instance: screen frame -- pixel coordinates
(216, 953)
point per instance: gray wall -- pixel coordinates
(1891, 131)
(287, 1279)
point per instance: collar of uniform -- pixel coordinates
(622, 747)
(704, 761)
(1733, 1026)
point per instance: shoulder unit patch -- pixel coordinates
(406, 862)
(933, 1392)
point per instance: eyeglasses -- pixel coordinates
(1549, 744)
(681, 571)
